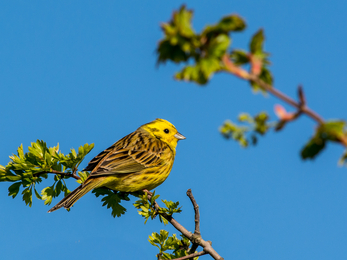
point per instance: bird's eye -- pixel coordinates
(166, 131)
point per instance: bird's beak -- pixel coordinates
(179, 136)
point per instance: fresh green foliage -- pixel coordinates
(247, 134)
(112, 200)
(266, 76)
(259, 60)
(171, 207)
(203, 51)
(83, 176)
(53, 191)
(27, 170)
(239, 57)
(147, 209)
(332, 131)
(256, 44)
(72, 160)
(23, 166)
(164, 242)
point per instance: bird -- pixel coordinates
(142, 160)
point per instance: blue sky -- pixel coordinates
(84, 72)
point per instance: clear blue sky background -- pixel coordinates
(78, 72)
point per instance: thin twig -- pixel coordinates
(302, 98)
(191, 256)
(206, 245)
(57, 172)
(74, 175)
(197, 220)
(197, 214)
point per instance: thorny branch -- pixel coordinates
(194, 238)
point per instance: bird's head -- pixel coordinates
(164, 131)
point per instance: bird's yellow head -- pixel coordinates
(164, 131)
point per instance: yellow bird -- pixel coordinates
(138, 161)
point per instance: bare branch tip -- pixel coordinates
(302, 98)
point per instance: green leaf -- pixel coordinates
(333, 130)
(163, 220)
(180, 40)
(313, 148)
(329, 131)
(218, 46)
(27, 196)
(201, 72)
(232, 23)
(83, 176)
(37, 194)
(59, 187)
(163, 235)
(47, 195)
(182, 20)
(256, 45)
(225, 26)
(167, 51)
(239, 57)
(112, 200)
(14, 189)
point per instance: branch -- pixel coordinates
(197, 213)
(300, 106)
(240, 72)
(206, 245)
(191, 256)
(73, 175)
(197, 220)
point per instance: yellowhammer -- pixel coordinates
(140, 160)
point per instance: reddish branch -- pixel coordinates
(194, 238)
(301, 106)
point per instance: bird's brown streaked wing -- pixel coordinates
(97, 159)
(131, 154)
(94, 164)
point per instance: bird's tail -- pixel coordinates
(77, 193)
